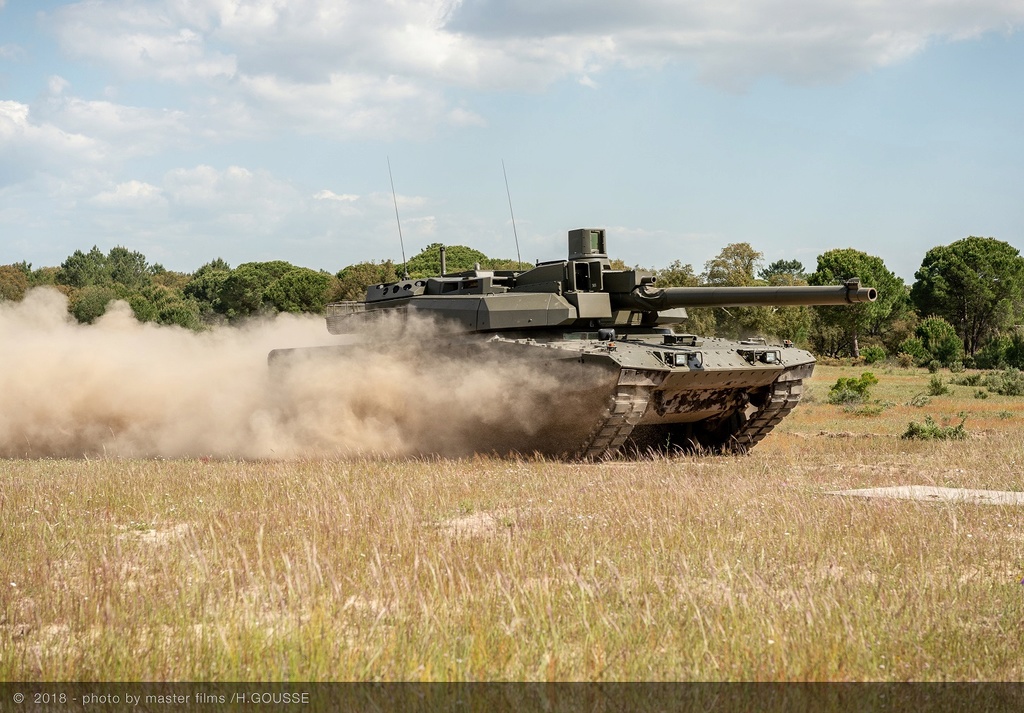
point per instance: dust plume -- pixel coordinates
(127, 389)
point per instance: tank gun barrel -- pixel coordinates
(645, 299)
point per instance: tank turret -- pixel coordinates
(636, 386)
(581, 291)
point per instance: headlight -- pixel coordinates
(694, 360)
(770, 358)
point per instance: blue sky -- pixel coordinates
(194, 129)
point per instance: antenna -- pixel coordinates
(394, 197)
(519, 257)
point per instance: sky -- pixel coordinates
(264, 129)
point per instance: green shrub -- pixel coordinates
(872, 409)
(1014, 353)
(934, 365)
(848, 390)
(915, 348)
(981, 394)
(931, 431)
(936, 387)
(90, 303)
(1009, 382)
(968, 379)
(939, 338)
(919, 401)
(993, 354)
(873, 353)
(905, 360)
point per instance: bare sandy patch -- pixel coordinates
(929, 493)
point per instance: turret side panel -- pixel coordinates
(518, 310)
(591, 305)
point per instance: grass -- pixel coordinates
(690, 568)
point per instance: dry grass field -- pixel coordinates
(714, 568)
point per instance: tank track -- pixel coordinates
(633, 392)
(625, 409)
(783, 398)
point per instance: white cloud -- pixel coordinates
(122, 131)
(28, 145)
(371, 68)
(734, 40)
(134, 195)
(144, 39)
(326, 195)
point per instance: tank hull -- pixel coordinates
(632, 395)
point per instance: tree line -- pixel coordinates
(965, 307)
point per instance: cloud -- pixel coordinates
(134, 195)
(61, 133)
(735, 41)
(123, 131)
(326, 195)
(498, 44)
(145, 39)
(11, 51)
(364, 68)
(28, 146)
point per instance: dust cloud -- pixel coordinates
(120, 388)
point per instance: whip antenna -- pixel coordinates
(394, 197)
(519, 257)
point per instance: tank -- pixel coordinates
(632, 384)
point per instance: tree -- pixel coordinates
(84, 269)
(784, 272)
(243, 290)
(127, 267)
(940, 340)
(90, 302)
(354, 279)
(734, 266)
(975, 284)
(205, 285)
(458, 258)
(676, 275)
(299, 290)
(14, 283)
(867, 318)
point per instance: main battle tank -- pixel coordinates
(633, 385)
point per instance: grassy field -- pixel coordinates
(687, 568)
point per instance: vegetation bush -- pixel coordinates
(940, 340)
(993, 354)
(914, 347)
(931, 431)
(1009, 382)
(874, 353)
(90, 303)
(849, 390)
(1014, 354)
(936, 387)
(905, 360)
(973, 379)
